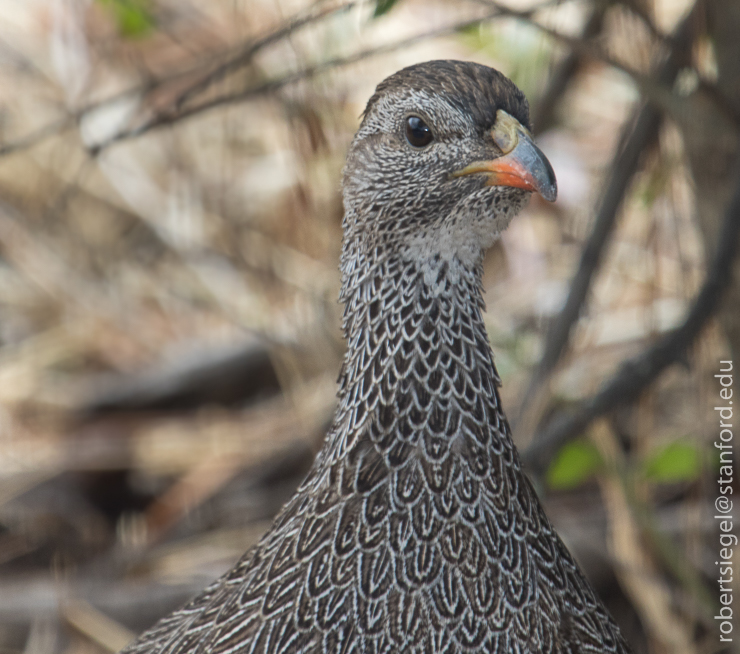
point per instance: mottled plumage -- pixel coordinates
(416, 530)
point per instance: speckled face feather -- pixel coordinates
(416, 531)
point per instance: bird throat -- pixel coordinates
(418, 379)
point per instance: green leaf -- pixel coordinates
(133, 17)
(575, 463)
(679, 461)
(383, 7)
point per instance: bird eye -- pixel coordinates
(418, 132)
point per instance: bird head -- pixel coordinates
(442, 161)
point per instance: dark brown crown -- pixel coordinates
(477, 90)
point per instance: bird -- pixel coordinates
(416, 530)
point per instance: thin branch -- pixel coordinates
(636, 8)
(636, 140)
(655, 92)
(152, 85)
(574, 43)
(639, 372)
(566, 70)
(29, 140)
(247, 53)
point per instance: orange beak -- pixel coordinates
(522, 164)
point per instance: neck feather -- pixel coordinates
(419, 370)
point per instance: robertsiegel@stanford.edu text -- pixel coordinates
(723, 504)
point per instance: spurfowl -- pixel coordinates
(416, 529)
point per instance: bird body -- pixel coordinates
(416, 530)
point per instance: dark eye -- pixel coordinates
(418, 132)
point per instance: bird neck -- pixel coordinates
(388, 297)
(418, 363)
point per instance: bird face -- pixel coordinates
(442, 161)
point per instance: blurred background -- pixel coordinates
(169, 328)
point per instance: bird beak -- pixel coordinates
(522, 165)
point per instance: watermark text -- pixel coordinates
(723, 504)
